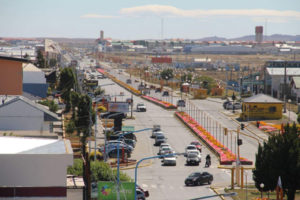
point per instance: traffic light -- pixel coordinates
(242, 126)
(225, 131)
(240, 142)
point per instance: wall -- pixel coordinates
(34, 170)
(11, 77)
(22, 116)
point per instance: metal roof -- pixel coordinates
(52, 115)
(280, 71)
(261, 98)
(20, 145)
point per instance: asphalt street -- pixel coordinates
(166, 182)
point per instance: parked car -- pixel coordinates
(236, 106)
(140, 107)
(190, 148)
(160, 138)
(128, 81)
(113, 153)
(165, 93)
(163, 145)
(169, 160)
(157, 90)
(225, 104)
(193, 157)
(155, 129)
(197, 144)
(198, 178)
(130, 142)
(181, 103)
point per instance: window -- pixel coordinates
(272, 109)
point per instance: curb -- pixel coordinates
(233, 119)
(215, 191)
(140, 166)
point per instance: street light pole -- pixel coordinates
(148, 158)
(118, 157)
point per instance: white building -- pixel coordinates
(275, 79)
(34, 168)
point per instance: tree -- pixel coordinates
(40, 59)
(67, 82)
(167, 74)
(52, 62)
(99, 91)
(279, 156)
(187, 77)
(207, 82)
(84, 116)
(298, 118)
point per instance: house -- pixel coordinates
(34, 168)
(261, 106)
(17, 113)
(11, 75)
(295, 85)
(34, 81)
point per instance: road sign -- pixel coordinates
(127, 128)
(108, 190)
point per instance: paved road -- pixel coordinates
(166, 182)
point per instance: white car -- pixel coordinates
(170, 160)
(190, 148)
(165, 150)
(193, 157)
(140, 107)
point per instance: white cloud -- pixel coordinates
(98, 16)
(271, 19)
(165, 10)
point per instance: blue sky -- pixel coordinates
(142, 19)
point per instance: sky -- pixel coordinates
(147, 19)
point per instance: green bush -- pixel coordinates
(53, 107)
(100, 171)
(298, 118)
(77, 168)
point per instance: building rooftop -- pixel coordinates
(13, 59)
(261, 98)
(19, 145)
(296, 81)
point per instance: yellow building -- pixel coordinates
(261, 106)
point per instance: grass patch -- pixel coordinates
(251, 193)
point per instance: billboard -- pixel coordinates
(161, 60)
(107, 190)
(118, 107)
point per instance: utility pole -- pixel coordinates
(284, 88)
(238, 158)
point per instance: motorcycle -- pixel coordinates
(207, 163)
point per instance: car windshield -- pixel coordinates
(195, 143)
(191, 147)
(160, 137)
(192, 155)
(194, 174)
(166, 148)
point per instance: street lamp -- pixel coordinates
(289, 109)
(118, 156)
(148, 158)
(261, 189)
